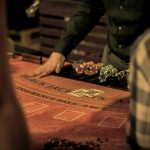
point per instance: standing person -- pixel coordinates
(13, 129)
(127, 19)
(139, 83)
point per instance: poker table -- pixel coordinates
(74, 110)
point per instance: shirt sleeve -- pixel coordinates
(86, 17)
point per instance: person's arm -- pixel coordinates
(86, 17)
(13, 129)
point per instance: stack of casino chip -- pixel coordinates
(109, 72)
(58, 143)
(88, 68)
(121, 75)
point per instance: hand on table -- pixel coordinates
(53, 64)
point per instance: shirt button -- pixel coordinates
(120, 46)
(119, 28)
(121, 7)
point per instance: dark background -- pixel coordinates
(16, 16)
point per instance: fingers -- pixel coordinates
(60, 64)
(36, 73)
(54, 63)
(33, 74)
(43, 74)
(58, 68)
(39, 74)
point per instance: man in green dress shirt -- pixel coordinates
(127, 19)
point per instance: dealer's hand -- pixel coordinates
(53, 64)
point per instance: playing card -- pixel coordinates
(93, 92)
(78, 93)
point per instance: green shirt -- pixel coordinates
(127, 19)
